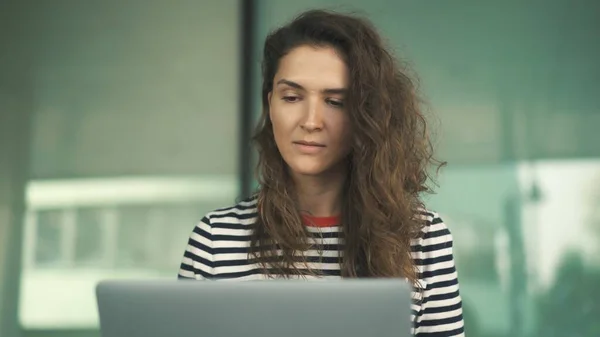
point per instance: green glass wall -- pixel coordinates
(119, 131)
(512, 90)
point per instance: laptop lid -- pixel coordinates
(275, 308)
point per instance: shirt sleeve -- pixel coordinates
(198, 262)
(440, 312)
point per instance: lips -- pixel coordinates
(309, 148)
(305, 143)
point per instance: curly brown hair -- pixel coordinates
(388, 167)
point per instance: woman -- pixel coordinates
(343, 153)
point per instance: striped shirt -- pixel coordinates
(219, 245)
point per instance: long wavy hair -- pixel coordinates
(388, 166)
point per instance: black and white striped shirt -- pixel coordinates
(219, 245)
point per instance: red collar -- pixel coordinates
(321, 221)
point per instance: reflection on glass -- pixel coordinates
(48, 250)
(89, 238)
(526, 245)
(80, 235)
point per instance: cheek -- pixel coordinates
(343, 133)
(277, 125)
(281, 127)
(284, 118)
(346, 146)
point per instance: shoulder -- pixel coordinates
(240, 215)
(433, 251)
(224, 230)
(436, 241)
(224, 225)
(435, 230)
(440, 305)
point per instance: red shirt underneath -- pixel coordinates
(321, 221)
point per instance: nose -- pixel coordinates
(314, 116)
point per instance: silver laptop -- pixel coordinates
(344, 308)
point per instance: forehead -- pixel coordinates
(314, 68)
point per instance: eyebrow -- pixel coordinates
(299, 87)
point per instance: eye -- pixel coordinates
(290, 99)
(335, 103)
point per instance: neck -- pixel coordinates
(320, 195)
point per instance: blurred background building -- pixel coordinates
(123, 122)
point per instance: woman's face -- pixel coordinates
(306, 107)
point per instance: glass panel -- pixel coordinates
(134, 140)
(89, 238)
(510, 88)
(48, 248)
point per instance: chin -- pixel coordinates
(308, 169)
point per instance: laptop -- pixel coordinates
(274, 308)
